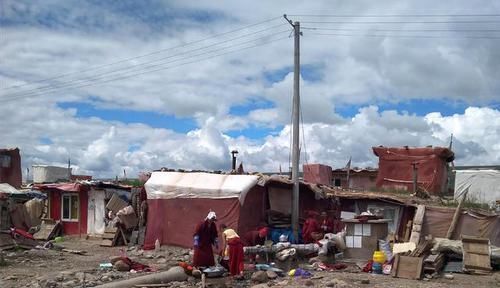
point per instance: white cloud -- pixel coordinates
(352, 70)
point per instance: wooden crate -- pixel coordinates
(407, 267)
(476, 254)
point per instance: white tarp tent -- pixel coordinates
(7, 188)
(48, 174)
(483, 185)
(168, 185)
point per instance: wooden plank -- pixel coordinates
(456, 216)
(123, 236)
(417, 224)
(476, 248)
(106, 243)
(108, 235)
(409, 226)
(475, 239)
(110, 230)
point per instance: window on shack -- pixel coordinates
(70, 203)
(5, 161)
(388, 212)
(337, 182)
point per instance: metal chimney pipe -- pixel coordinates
(233, 153)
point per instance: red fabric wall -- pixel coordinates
(12, 174)
(253, 211)
(396, 171)
(172, 221)
(69, 228)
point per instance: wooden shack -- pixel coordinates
(362, 237)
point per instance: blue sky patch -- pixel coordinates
(104, 16)
(46, 141)
(420, 107)
(258, 103)
(153, 119)
(254, 133)
(309, 72)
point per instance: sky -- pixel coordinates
(140, 85)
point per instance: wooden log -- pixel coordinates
(173, 274)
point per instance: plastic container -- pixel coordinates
(378, 257)
(377, 268)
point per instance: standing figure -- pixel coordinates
(205, 236)
(310, 226)
(233, 249)
(326, 223)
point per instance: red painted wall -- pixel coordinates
(69, 228)
(12, 174)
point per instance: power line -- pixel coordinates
(163, 68)
(392, 15)
(150, 66)
(405, 36)
(405, 22)
(138, 66)
(144, 55)
(402, 30)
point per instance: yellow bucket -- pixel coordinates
(378, 257)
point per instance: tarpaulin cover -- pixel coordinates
(7, 188)
(396, 170)
(173, 220)
(483, 185)
(170, 185)
(437, 221)
(63, 187)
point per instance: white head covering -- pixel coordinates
(211, 216)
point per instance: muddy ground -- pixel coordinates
(50, 268)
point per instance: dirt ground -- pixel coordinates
(50, 268)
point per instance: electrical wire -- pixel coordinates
(155, 70)
(392, 15)
(131, 67)
(405, 36)
(401, 30)
(144, 55)
(406, 22)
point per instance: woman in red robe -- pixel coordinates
(310, 226)
(205, 236)
(233, 248)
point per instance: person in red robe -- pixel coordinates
(326, 224)
(310, 226)
(338, 225)
(232, 249)
(205, 236)
(254, 238)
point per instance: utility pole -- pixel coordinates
(295, 127)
